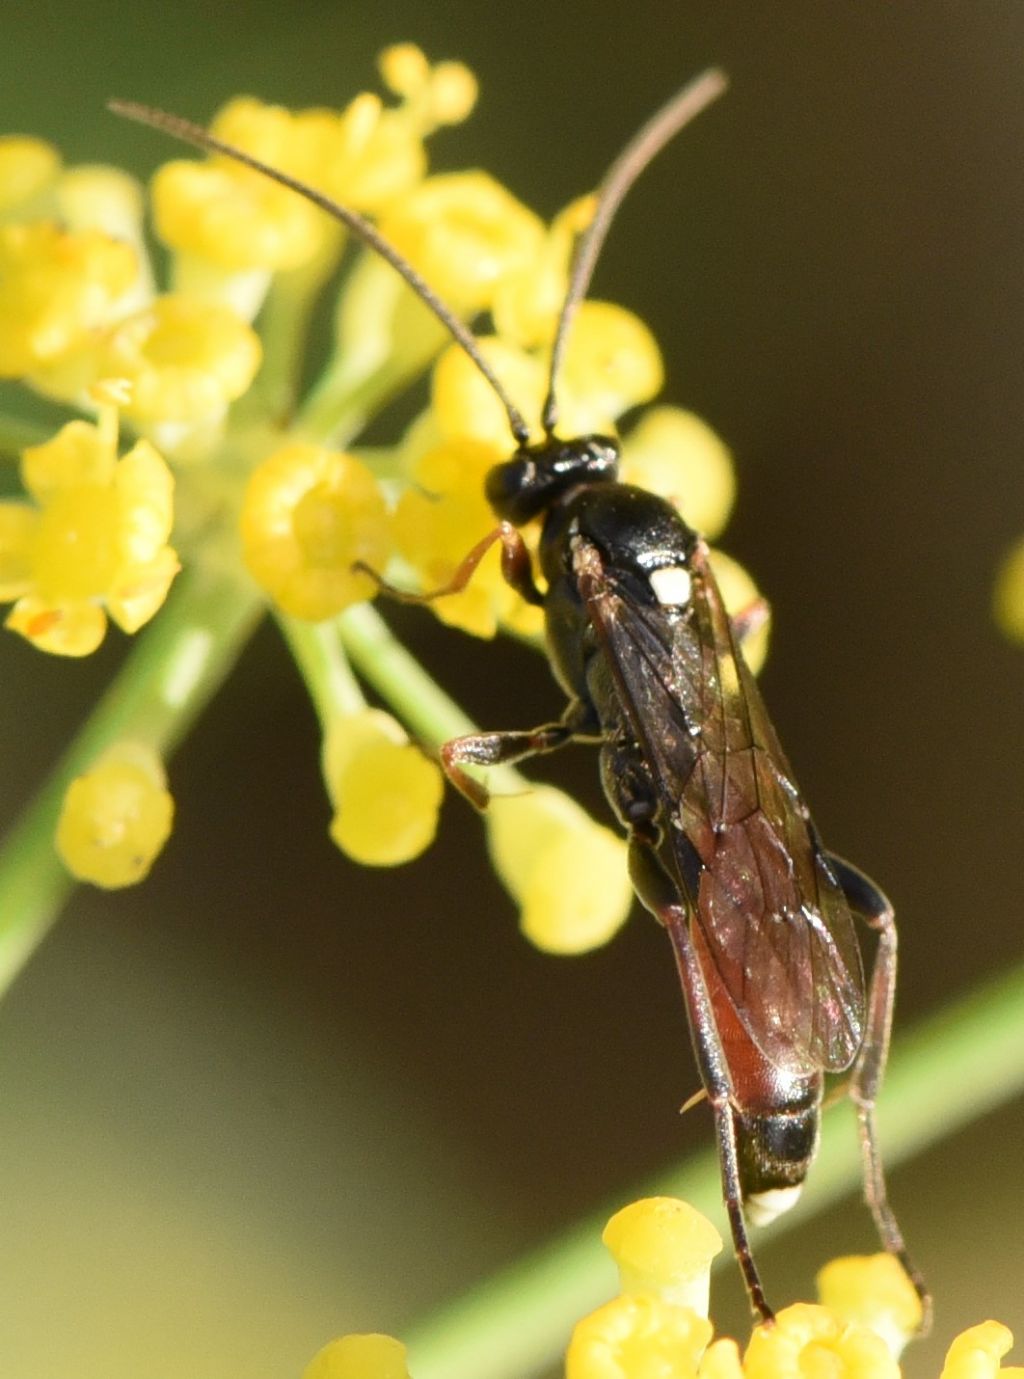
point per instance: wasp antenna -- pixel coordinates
(645, 145)
(201, 138)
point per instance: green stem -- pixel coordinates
(338, 408)
(284, 329)
(950, 1070)
(172, 673)
(398, 677)
(321, 660)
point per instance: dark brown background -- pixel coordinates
(270, 1096)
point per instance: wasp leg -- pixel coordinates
(658, 893)
(867, 901)
(516, 569)
(506, 748)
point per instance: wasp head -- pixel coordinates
(537, 476)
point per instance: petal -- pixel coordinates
(72, 628)
(78, 454)
(141, 592)
(18, 526)
(145, 493)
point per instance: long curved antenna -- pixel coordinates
(194, 134)
(645, 145)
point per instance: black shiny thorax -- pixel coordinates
(635, 531)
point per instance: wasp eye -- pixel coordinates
(513, 490)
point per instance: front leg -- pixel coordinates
(516, 568)
(874, 908)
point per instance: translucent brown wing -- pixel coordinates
(741, 846)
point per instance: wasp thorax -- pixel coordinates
(539, 475)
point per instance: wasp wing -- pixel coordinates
(739, 842)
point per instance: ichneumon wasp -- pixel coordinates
(722, 848)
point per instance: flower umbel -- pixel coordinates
(650, 1332)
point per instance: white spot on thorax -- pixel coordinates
(671, 585)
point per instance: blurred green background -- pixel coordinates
(271, 1097)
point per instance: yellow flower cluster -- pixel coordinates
(226, 464)
(658, 1327)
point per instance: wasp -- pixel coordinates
(722, 848)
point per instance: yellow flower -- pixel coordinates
(96, 546)
(309, 514)
(874, 1291)
(464, 232)
(463, 403)
(527, 303)
(385, 792)
(28, 168)
(721, 1360)
(808, 1342)
(674, 453)
(56, 287)
(116, 818)
(440, 95)
(612, 363)
(234, 218)
(976, 1353)
(359, 1357)
(567, 873)
(179, 362)
(439, 519)
(637, 1338)
(665, 1247)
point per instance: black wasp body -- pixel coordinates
(721, 846)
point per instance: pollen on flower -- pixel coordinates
(386, 793)
(567, 874)
(56, 287)
(874, 1291)
(664, 1246)
(673, 453)
(96, 546)
(116, 818)
(359, 1357)
(309, 514)
(637, 1337)
(28, 167)
(809, 1342)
